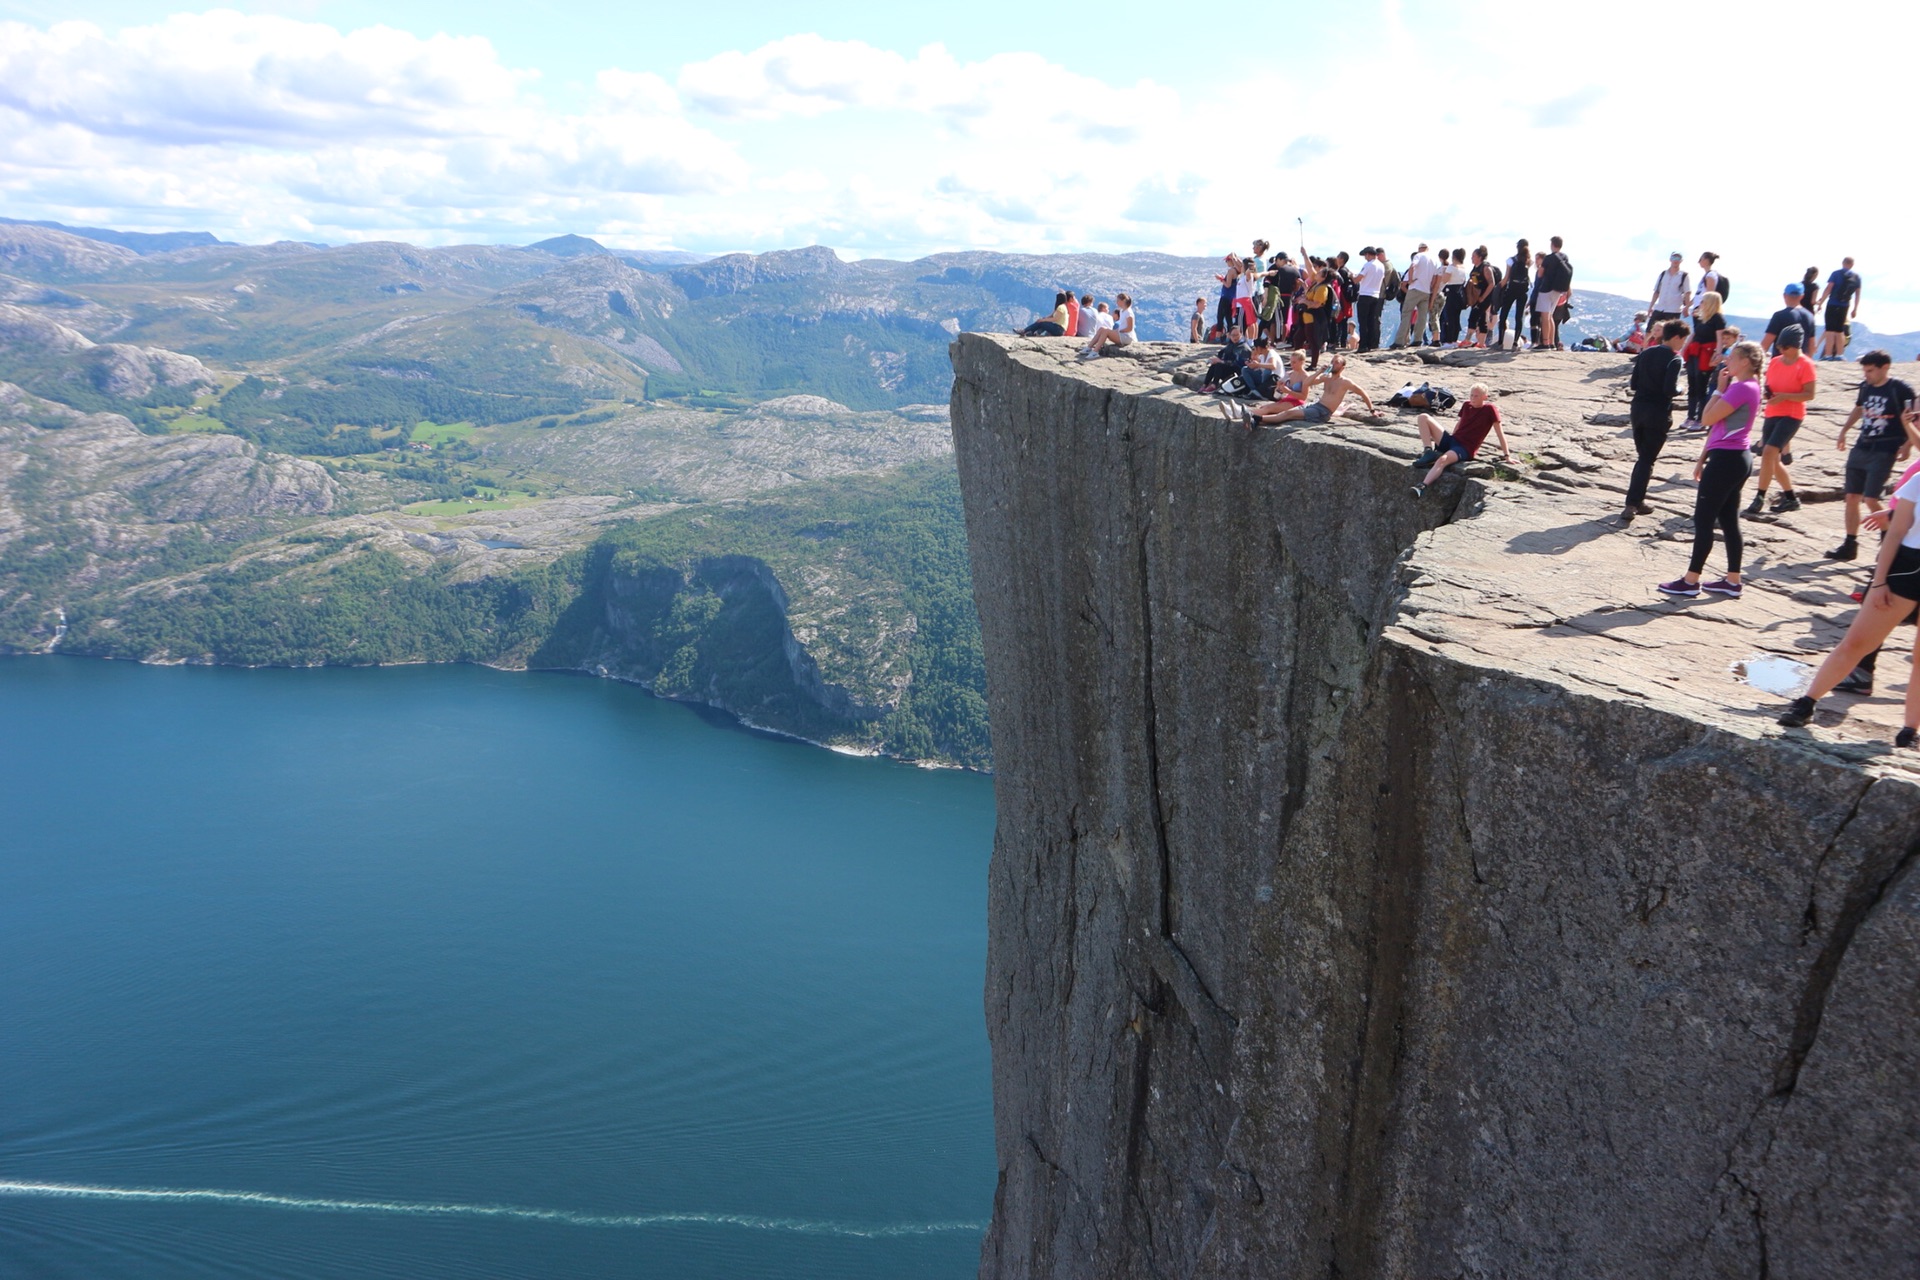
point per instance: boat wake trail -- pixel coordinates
(408, 1208)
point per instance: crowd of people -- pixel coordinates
(1746, 399)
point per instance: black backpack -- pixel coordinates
(1392, 289)
(1723, 290)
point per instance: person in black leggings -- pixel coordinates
(1722, 472)
(1519, 284)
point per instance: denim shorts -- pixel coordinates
(1316, 413)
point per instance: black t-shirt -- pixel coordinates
(1881, 408)
(1558, 277)
(1656, 375)
(1708, 330)
(1286, 279)
(1786, 316)
(1845, 285)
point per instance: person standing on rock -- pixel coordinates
(1482, 292)
(1843, 288)
(1790, 314)
(1415, 307)
(1702, 354)
(1722, 471)
(1712, 279)
(1556, 291)
(1455, 298)
(1672, 294)
(1655, 380)
(1334, 387)
(1196, 323)
(1519, 283)
(1883, 409)
(1790, 385)
(1890, 600)
(1373, 275)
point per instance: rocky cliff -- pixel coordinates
(1393, 888)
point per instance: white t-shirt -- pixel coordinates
(1671, 295)
(1419, 275)
(1372, 276)
(1102, 320)
(1456, 274)
(1910, 492)
(1124, 321)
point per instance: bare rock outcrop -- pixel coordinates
(1395, 887)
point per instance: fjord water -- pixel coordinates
(371, 955)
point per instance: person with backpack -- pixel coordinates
(1372, 284)
(1672, 294)
(1519, 282)
(1482, 289)
(1556, 291)
(1843, 287)
(1712, 279)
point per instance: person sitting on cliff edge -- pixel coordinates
(1334, 386)
(1445, 448)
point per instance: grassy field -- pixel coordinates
(435, 432)
(488, 500)
(195, 422)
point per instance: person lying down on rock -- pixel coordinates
(1444, 448)
(1334, 386)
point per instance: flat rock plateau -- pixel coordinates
(1400, 887)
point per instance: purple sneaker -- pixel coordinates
(1679, 587)
(1722, 588)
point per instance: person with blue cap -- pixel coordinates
(1793, 313)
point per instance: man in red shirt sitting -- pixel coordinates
(1444, 448)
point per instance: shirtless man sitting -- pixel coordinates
(1334, 385)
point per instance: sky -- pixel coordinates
(900, 130)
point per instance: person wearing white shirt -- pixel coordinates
(1416, 307)
(1118, 332)
(1672, 294)
(1373, 274)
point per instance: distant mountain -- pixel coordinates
(138, 241)
(571, 246)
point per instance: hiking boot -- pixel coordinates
(1758, 507)
(1859, 682)
(1679, 587)
(1642, 509)
(1723, 587)
(1798, 713)
(1626, 516)
(1788, 501)
(1849, 549)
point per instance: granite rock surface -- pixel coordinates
(1398, 887)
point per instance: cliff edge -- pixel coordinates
(1396, 888)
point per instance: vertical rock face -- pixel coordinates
(1329, 940)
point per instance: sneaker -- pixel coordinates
(1849, 549)
(1797, 714)
(1626, 516)
(1788, 501)
(1642, 509)
(1905, 737)
(1679, 587)
(1419, 491)
(1087, 353)
(1859, 682)
(1786, 459)
(1722, 587)
(1758, 507)
(1858, 597)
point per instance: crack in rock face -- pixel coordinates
(1463, 912)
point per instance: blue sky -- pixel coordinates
(898, 130)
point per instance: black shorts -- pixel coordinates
(1867, 471)
(1837, 320)
(1447, 444)
(1778, 432)
(1903, 575)
(1658, 316)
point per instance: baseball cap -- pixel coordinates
(1673, 257)
(1795, 287)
